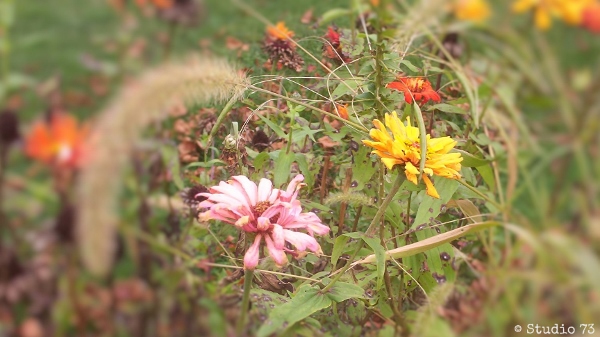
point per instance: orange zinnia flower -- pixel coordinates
(591, 17)
(59, 142)
(279, 31)
(417, 87)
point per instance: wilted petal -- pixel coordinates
(251, 257)
(301, 241)
(263, 224)
(278, 255)
(278, 236)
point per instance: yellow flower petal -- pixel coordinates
(431, 191)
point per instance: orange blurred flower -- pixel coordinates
(59, 142)
(279, 31)
(570, 11)
(471, 10)
(417, 87)
(160, 4)
(591, 17)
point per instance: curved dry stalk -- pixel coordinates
(199, 80)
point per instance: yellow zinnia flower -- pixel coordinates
(405, 149)
(471, 10)
(570, 11)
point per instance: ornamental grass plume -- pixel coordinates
(404, 149)
(199, 80)
(271, 215)
(570, 11)
(418, 88)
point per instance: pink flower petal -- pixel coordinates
(301, 241)
(278, 236)
(278, 255)
(263, 223)
(251, 257)
(265, 187)
(248, 186)
(292, 190)
(233, 192)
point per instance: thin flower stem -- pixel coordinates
(395, 187)
(324, 179)
(370, 231)
(356, 218)
(334, 116)
(264, 271)
(218, 123)
(249, 275)
(485, 197)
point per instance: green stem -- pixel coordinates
(249, 275)
(218, 123)
(485, 197)
(5, 44)
(334, 116)
(395, 187)
(370, 230)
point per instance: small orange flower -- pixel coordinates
(279, 31)
(160, 4)
(59, 142)
(342, 111)
(417, 87)
(591, 17)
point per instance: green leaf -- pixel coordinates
(410, 66)
(470, 160)
(488, 175)
(376, 246)
(307, 301)
(362, 168)
(282, 167)
(339, 246)
(260, 160)
(342, 291)
(429, 209)
(447, 108)
(210, 163)
(276, 128)
(171, 159)
(333, 14)
(299, 134)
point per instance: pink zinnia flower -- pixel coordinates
(272, 214)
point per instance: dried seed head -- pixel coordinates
(191, 196)
(260, 140)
